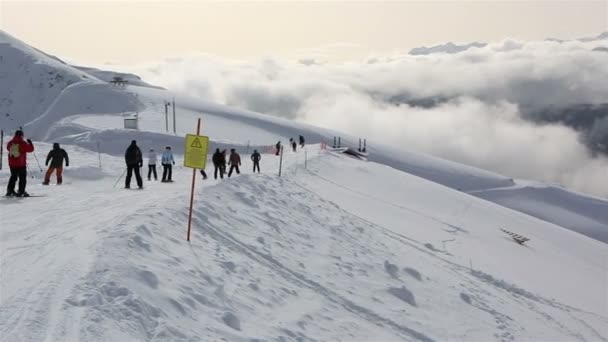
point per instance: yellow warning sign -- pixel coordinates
(196, 143)
(195, 155)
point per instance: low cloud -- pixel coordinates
(535, 110)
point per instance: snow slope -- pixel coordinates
(342, 250)
(338, 250)
(83, 109)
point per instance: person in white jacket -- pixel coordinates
(168, 162)
(152, 164)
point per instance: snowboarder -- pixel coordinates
(56, 157)
(219, 163)
(294, 145)
(302, 141)
(152, 164)
(278, 146)
(168, 162)
(134, 161)
(18, 148)
(235, 162)
(255, 157)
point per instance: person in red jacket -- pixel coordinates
(235, 162)
(17, 162)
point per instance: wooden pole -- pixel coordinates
(198, 131)
(166, 116)
(174, 130)
(99, 154)
(281, 161)
(1, 146)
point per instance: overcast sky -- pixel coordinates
(98, 32)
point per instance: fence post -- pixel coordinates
(166, 116)
(99, 154)
(1, 146)
(281, 161)
(305, 159)
(174, 130)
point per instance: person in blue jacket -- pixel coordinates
(167, 161)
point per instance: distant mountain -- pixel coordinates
(445, 48)
(601, 36)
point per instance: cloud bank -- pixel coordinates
(536, 110)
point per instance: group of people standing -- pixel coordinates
(219, 163)
(134, 161)
(18, 148)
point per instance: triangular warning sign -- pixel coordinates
(196, 143)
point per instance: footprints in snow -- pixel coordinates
(403, 293)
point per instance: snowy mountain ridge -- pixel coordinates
(445, 48)
(71, 109)
(334, 249)
(63, 111)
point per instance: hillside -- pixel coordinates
(404, 247)
(318, 254)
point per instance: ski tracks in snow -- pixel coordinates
(67, 248)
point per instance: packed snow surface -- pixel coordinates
(338, 250)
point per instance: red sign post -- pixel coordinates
(198, 131)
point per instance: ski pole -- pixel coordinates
(122, 174)
(37, 162)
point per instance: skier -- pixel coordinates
(56, 157)
(134, 161)
(294, 145)
(278, 146)
(235, 162)
(255, 157)
(218, 163)
(17, 162)
(168, 162)
(302, 141)
(152, 164)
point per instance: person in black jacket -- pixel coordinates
(278, 146)
(219, 163)
(255, 157)
(302, 141)
(56, 157)
(134, 161)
